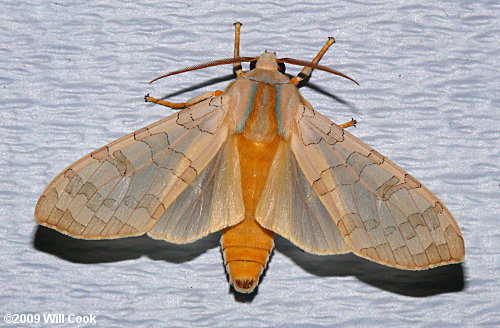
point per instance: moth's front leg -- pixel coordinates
(190, 102)
(352, 122)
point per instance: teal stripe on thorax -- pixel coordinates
(277, 109)
(249, 107)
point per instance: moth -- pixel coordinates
(254, 160)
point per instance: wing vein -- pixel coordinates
(426, 225)
(193, 203)
(358, 212)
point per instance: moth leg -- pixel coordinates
(306, 71)
(237, 68)
(190, 102)
(352, 122)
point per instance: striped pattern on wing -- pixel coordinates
(290, 207)
(383, 213)
(123, 188)
(212, 202)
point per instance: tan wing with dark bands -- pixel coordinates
(383, 213)
(290, 208)
(123, 188)
(212, 202)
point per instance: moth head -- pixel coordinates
(268, 61)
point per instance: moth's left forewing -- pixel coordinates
(212, 202)
(382, 212)
(124, 188)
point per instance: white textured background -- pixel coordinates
(72, 78)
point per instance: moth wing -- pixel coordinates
(383, 213)
(212, 202)
(124, 188)
(290, 207)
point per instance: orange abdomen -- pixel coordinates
(247, 245)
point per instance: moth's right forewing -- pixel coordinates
(123, 188)
(382, 212)
(290, 208)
